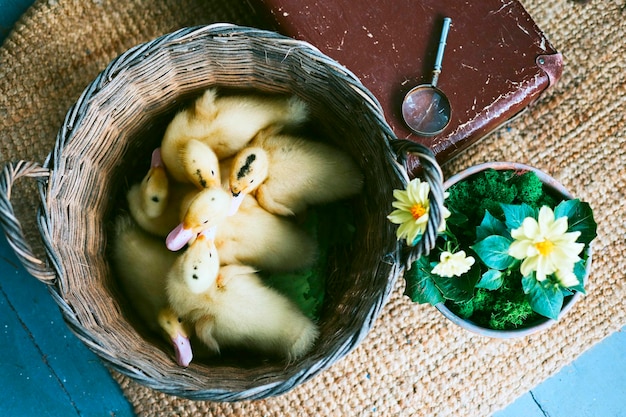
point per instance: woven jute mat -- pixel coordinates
(413, 362)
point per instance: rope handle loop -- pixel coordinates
(431, 172)
(12, 226)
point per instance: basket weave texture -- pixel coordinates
(121, 116)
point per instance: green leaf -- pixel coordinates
(494, 252)
(545, 297)
(456, 218)
(490, 226)
(579, 218)
(420, 287)
(458, 289)
(514, 214)
(491, 280)
(580, 271)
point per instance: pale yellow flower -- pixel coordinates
(412, 208)
(546, 247)
(566, 278)
(453, 264)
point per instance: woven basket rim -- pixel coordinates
(60, 168)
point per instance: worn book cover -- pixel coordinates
(496, 61)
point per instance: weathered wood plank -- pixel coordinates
(55, 369)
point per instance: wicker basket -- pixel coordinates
(120, 118)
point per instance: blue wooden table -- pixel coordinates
(45, 370)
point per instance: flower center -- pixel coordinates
(417, 211)
(545, 247)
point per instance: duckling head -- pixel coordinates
(201, 164)
(154, 187)
(177, 330)
(199, 265)
(205, 211)
(250, 168)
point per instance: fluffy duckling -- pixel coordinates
(251, 236)
(233, 308)
(195, 163)
(179, 333)
(288, 173)
(155, 203)
(151, 194)
(141, 262)
(226, 124)
(203, 214)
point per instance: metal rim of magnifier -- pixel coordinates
(411, 122)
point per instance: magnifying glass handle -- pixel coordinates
(442, 47)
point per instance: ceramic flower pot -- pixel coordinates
(551, 186)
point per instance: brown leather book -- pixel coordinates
(496, 60)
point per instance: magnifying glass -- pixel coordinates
(426, 109)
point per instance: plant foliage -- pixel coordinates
(485, 209)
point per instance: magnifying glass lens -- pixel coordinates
(426, 110)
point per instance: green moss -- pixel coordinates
(529, 189)
(509, 314)
(488, 189)
(501, 309)
(330, 225)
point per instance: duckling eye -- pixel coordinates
(212, 172)
(155, 199)
(205, 222)
(180, 320)
(194, 276)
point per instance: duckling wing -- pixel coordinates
(141, 262)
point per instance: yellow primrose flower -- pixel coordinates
(453, 264)
(546, 247)
(412, 208)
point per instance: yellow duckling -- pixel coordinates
(225, 125)
(233, 308)
(141, 262)
(200, 165)
(205, 211)
(155, 203)
(288, 173)
(152, 193)
(179, 333)
(251, 236)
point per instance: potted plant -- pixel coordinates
(512, 253)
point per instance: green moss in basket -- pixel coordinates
(330, 225)
(509, 254)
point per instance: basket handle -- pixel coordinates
(431, 171)
(12, 226)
